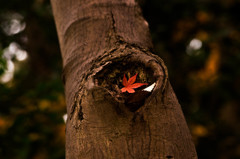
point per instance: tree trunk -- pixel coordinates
(101, 40)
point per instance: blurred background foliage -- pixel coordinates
(198, 39)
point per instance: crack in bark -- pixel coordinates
(150, 140)
(113, 38)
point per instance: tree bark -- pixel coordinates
(101, 40)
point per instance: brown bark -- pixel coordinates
(101, 40)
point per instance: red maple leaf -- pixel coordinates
(130, 85)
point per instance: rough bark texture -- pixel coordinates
(101, 40)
